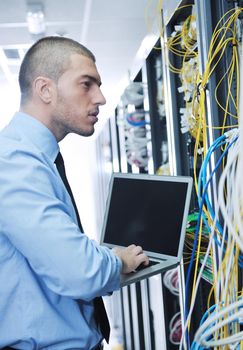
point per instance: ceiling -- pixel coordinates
(112, 30)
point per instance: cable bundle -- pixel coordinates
(190, 238)
(222, 326)
(136, 133)
(183, 43)
(175, 329)
(226, 265)
(171, 281)
(134, 94)
(136, 146)
(224, 37)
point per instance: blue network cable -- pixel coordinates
(135, 122)
(202, 180)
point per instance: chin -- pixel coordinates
(85, 133)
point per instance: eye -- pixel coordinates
(86, 84)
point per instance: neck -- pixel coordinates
(43, 116)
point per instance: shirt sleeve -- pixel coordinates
(36, 216)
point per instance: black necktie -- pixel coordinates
(99, 309)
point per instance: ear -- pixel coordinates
(43, 89)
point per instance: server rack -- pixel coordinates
(208, 14)
(139, 300)
(157, 114)
(183, 142)
(145, 326)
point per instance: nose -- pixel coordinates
(99, 97)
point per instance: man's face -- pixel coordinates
(78, 97)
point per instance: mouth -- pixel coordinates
(94, 113)
(93, 116)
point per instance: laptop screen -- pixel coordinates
(147, 210)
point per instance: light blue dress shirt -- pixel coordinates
(46, 263)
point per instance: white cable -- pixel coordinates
(175, 327)
(231, 240)
(222, 205)
(220, 280)
(216, 316)
(226, 340)
(171, 281)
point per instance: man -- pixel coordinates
(51, 272)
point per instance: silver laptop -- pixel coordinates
(151, 211)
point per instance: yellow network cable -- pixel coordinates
(234, 65)
(210, 295)
(182, 44)
(219, 49)
(216, 51)
(189, 34)
(218, 44)
(223, 332)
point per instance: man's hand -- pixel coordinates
(131, 257)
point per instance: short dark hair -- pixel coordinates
(48, 57)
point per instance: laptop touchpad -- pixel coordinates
(142, 266)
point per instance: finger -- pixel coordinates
(131, 246)
(138, 249)
(142, 259)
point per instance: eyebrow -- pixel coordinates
(92, 78)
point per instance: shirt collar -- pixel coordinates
(37, 133)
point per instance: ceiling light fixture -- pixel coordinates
(35, 18)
